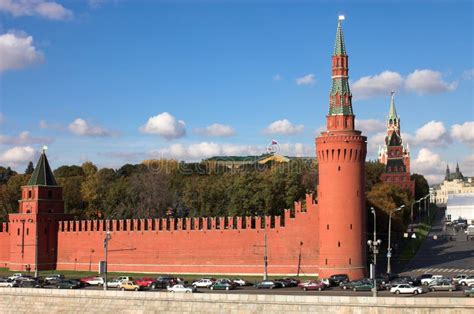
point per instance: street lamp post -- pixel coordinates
(389, 249)
(106, 246)
(374, 247)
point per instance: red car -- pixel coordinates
(145, 282)
(313, 285)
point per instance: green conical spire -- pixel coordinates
(339, 47)
(42, 174)
(392, 114)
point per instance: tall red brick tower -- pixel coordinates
(33, 231)
(395, 155)
(341, 152)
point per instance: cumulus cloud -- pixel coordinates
(430, 165)
(17, 156)
(374, 141)
(467, 165)
(432, 133)
(81, 127)
(376, 85)
(46, 9)
(370, 126)
(428, 82)
(17, 51)
(165, 125)
(24, 138)
(216, 129)
(463, 132)
(283, 127)
(308, 79)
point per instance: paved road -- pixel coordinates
(333, 291)
(450, 254)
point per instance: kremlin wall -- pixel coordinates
(322, 237)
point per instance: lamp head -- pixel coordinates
(379, 241)
(369, 242)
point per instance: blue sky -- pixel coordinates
(121, 81)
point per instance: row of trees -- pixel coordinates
(162, 188)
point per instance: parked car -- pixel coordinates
(182, 288)
(424, 277)
(145, 282)
(442, 286)
(30, 283)
(114, 283)
(128, 286)
(292, 281)
(125, 278)
(284, 282)
(223, 285)
(203, 283)
(68, 284)
(469, 281)
(93, 281)
(241, 282)
(313, 285)
(406, 288)
(165, 281)
(469, 292)
(457, 278)
(387, 277)
(53, 278)
(7, 282)
(268, 284)
(335, 280)
(326, 282)
(16, 276)
(348, 285)
(364, 286)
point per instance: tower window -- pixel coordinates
(338, 244)
(326, 227)
(50, 194)
(27, 231)
(351, 226)
(29, 194)
(350, 261)
(326, 261)
(339, 168)
(18, 232)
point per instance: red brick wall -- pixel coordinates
(213, 251)
(4, 246)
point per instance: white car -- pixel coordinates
(240, 282)
(469, 281)
(406, 288)
(427, 281)
(181, 288)
(95, 281)
(124, 278)
(437, 279)
(203, 283)
(8, 283)
(459, 278)
(115, 283)
(16, 276)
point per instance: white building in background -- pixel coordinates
(454, 183)
(461, 206)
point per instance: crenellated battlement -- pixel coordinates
(190, 223)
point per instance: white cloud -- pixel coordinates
(376, 85)
(308, 79)
(374, 141)
(277, 77)
(370, 126)
(432, 133)
(17, 156)
(165, 125)
(430, 165)
(81, 127)
(23, 138)
(467, 165)
(17, 52)
(283, 127)
(468, 74)
(463, 132)
(216, 129)
(428, 82)
(46, 9)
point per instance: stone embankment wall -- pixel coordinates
(17, 300)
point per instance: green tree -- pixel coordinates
(421, 185)
(30, 168)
